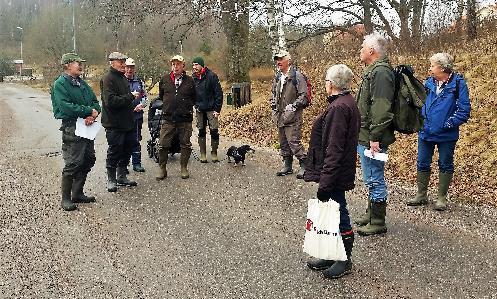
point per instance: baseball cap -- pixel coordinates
(117, 56)
(177, 58)
(281, 54)
(70, 57)
(130, 61)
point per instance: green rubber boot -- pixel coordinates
(377, 223)
(444, 180)
(203, 150)
(423, 179)
(364, 220)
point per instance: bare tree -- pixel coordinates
(472, 19)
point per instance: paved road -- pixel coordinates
(224, 233)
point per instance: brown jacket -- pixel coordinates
(177, 103)
(331, 159)
(294, 92)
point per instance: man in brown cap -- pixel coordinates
(177, 91)
(118, 121)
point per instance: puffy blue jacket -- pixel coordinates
(445, 112)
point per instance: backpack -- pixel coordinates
(308, 83)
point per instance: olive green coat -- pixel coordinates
(375, 99)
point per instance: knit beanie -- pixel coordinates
(199, 60)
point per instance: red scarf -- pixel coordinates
(202, 73)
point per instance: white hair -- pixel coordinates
(340, 76)
(444, 60)
(377, 42)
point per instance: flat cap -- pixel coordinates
(130, 62)
(177, 58)
(70, 57)
(281, 53)
(117, 56)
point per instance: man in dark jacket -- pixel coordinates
(289, 98)
(177, 91)
(375, 98)
(208, 105)
(118, 120)
(72, 98)
(136, 85)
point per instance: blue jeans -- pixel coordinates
(373, 174)
(445, 155)
(339, 197)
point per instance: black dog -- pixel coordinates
(238, 153)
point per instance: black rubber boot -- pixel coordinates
(287, 166)
(122, 179)
(111, 180)
(341, 268)
(66, 186)
(300, 174)
(78, 196)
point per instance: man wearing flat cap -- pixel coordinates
(208, 105)
(72, 98)
(289, 98)
(118, 121)
(177, 91)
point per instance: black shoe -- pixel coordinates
(319, 264)
(122, 180)
(138, 168)
(68, 205)
(83, 199)
(339, 269)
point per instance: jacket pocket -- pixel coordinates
(289, 117)
(68, 134)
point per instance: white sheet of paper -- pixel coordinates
(378, 156)
(88, 132)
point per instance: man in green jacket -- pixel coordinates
(375, 100)
(118, 121)
(72, 98)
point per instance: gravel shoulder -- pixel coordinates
(224, 233)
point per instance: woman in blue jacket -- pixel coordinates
(446, 108)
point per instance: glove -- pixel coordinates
(290, 107)
(323, 196)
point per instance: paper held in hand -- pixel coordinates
(88, 132)
(377, 156)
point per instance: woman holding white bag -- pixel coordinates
(331, 159)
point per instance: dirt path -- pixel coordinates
(224, 233)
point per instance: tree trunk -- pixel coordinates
(368, 24)
(235, 20)
(417, 21)
(472, 19)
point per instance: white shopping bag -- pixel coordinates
(322, 236)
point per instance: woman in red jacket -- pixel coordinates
(331, 159)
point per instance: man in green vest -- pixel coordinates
(72, 98)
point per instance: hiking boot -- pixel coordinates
(203, 150)
(287, 166)
(111, 180)
(138, 168)
(341, 268)
(66, 186)
(300, 174)
(444, 180)
(185, 156)
(78, 196)
(376, 224)
(364, 220)
(423, 179)
(122, 179)
(214, 146)
(319, 264)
